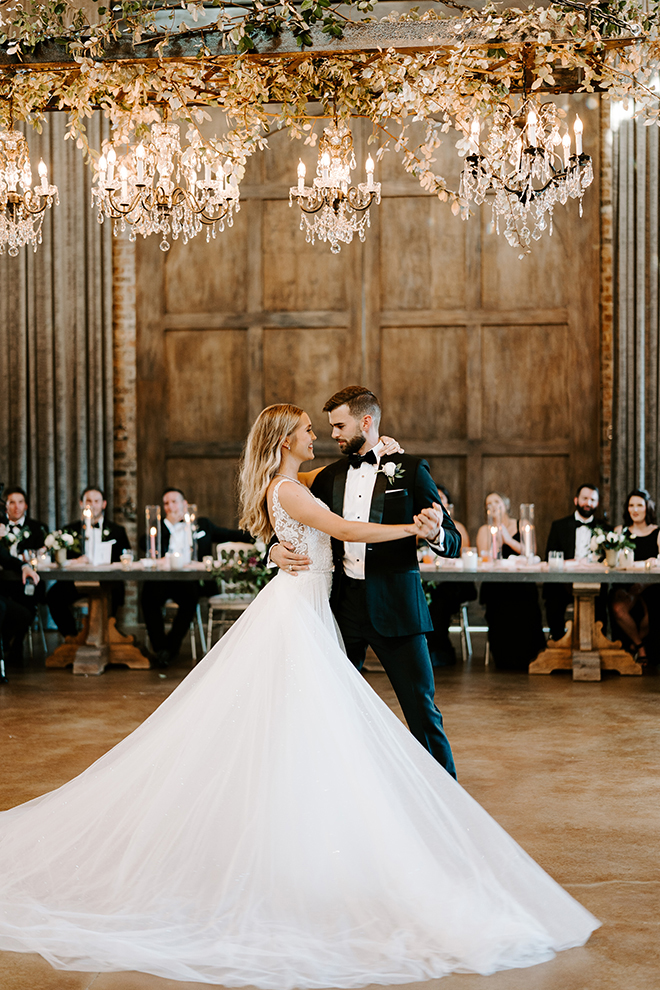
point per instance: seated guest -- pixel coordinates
(571, 536)
(513, 614)
(63, 594)
(633, 604)
(446, 600)
(175, 538)
(15, 617)
(21, 536)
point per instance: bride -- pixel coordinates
(273, 823)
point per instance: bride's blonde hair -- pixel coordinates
(261, 462)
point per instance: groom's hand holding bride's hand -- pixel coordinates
(429, 524)
(284, 556)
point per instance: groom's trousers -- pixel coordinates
(406, 662)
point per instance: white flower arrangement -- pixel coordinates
(603, 540)
(58, 540)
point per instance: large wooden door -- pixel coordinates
(485, 364)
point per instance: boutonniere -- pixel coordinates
(391, 471)
(106, 532)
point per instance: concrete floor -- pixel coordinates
(569, 769)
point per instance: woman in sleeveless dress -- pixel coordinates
(633, 604)
(273, 823)
(513, 613)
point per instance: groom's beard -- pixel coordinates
(353, 445)
(585, 513)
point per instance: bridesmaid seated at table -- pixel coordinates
(513, 614)
(633, 604)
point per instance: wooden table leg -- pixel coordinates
(99, 643)
(584, 648)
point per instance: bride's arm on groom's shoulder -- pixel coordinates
(306, 510)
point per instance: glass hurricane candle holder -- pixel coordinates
(527, 530)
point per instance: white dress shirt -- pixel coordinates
(360, 482)
(179, 539)
(582, 536)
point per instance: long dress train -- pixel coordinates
(273, 823)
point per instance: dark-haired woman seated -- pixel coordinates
(631, 604)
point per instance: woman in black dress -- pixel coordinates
(513, 614)
(631, 604)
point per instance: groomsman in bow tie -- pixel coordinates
(175, 538)
(377, 595)
(571, 535)
(19, 536)
(93, 541)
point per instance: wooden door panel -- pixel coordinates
(306, 367)
(525, 385)
(423, 375)
(207, 277)
(206, 384)
(451, 472)
(297, 275)
(423, 263)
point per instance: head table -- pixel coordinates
(583, 649)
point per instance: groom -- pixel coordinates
(377, 596)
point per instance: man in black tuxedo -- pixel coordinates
(22, 536)
(15, 617)
(377, 595)
(571, 535)
(175, 537)
(62, 595)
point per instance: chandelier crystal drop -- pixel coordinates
(21, 213)
(159, 188)
(332, 209)
(527, 163)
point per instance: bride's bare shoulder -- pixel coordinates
(306, 478)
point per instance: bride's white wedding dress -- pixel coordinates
(273, 823)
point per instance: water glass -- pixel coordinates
(126, 559)
(556, 560)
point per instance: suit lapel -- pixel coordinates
(378, 498)
(338, 488)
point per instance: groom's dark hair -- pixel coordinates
(360, 401)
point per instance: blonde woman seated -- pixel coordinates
(513, 614)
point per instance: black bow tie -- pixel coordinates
(357, 460)
(96, 525)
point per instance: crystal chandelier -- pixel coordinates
(520, 161)
(144, 189)
(21, 213)
(332, 209)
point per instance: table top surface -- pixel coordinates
(448, 570)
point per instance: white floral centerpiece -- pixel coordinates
(59, 542)
(607, 544)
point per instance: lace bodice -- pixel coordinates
(312, 542)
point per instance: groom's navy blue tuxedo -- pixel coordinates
(388, 610)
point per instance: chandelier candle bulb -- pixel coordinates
(301, 177)
(140, 154)
(207, 173)
(566, 142)
(475, 133)
(112, 158)
(43, 172)
(578, 128)
(325, 166)
(532, 121)
(369, 167)
(123, 175)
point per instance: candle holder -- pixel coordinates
(152, 517)
(527, 530)
(87, 532)
(191, 525)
